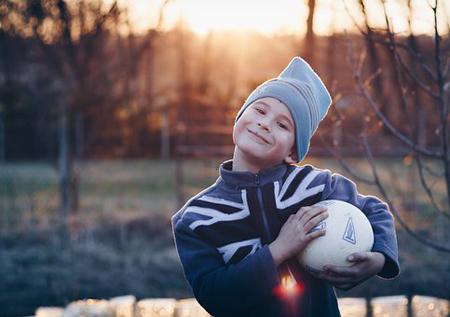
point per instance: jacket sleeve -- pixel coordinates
(385, 240)
(222, 289)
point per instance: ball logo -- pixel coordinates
(349, 233)
(320, 226)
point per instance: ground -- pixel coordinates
(120, 239)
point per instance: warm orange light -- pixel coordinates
(288, 16)
(288, 284)
(236, 15)
(288, 288)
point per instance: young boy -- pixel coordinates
(238, 239)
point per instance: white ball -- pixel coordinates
(347, 231)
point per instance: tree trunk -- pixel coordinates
(165, 136)
(179, 181)
(308, 44)
(64, 163)
(2, 135)
(79, 136)
(185, 104)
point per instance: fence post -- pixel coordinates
(409, 305)
(369, 306)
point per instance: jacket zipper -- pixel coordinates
(285, 266)
(263, 211)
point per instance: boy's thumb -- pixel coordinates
(357, 256)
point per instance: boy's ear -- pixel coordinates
(292, 157)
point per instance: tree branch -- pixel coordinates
(431, 172)
(442, 105)
(427, 188)
(374, 35)
(391, 204)
(393, 46)
(344, 165)
(373, 105)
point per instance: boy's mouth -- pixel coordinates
(259, 136)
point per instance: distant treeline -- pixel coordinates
(175, 92)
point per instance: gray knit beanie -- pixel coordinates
(305, 95)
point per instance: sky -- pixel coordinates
(284, 16)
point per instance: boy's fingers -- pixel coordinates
(301, 212)
(315, 234)
(313, 222)
(343, 271)
(294, 218)
(358, 256)
(310, 212)
(291, 218)
(298, 214)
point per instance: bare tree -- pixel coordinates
(72, 41)
(95, 63)
(417, 120)
(141, 51)
(309, 41)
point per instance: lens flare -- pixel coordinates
(289, 292)
(288, 287)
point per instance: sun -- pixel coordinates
(263, 16)
(204, 16)
(281, 16)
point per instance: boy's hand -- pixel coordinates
(366, 264)
(296, 232)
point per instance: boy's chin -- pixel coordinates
(261, 157)
(252, 151)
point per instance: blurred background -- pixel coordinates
(114, 113)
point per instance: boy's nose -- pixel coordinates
(263, 125)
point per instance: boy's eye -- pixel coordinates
(259, 110)
(282, 125)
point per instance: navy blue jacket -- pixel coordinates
(222, 236)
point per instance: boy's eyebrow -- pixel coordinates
(283, 116)
(263, 102)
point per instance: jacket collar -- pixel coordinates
(240, 180)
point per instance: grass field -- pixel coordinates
(122, 242)
(29, 191)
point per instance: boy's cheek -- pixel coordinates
(234, 136)
(237, 130)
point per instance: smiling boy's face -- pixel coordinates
(265, 133)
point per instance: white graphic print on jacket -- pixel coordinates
(302, 192)
(214, 216)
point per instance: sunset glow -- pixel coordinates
(250, 15)
(284, 16)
